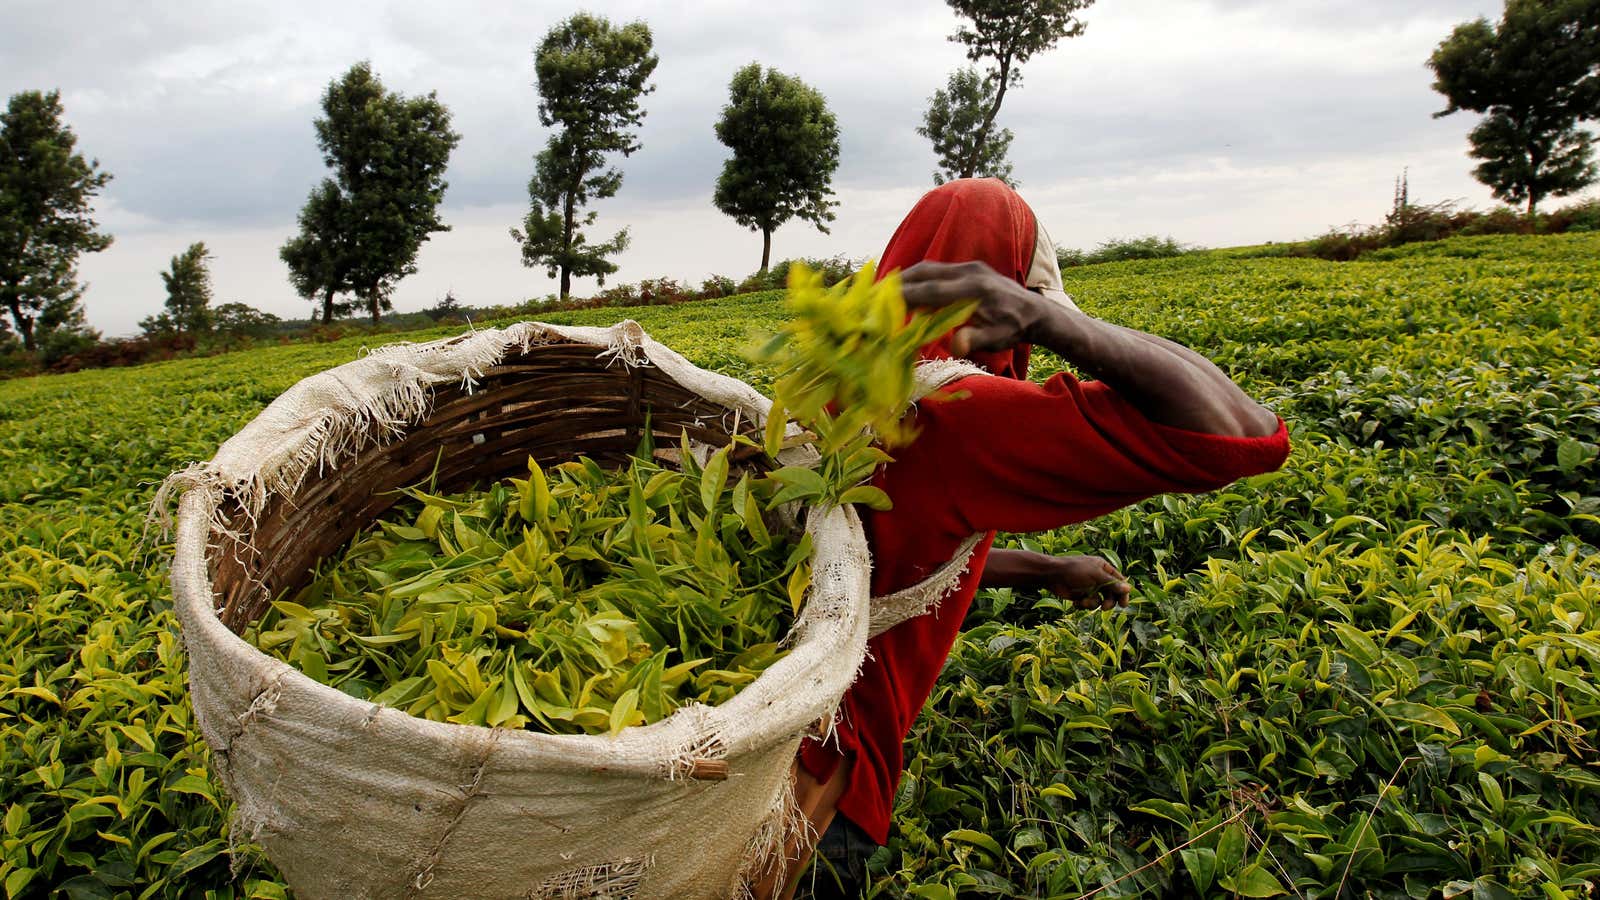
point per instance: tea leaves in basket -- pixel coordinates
(581, 600)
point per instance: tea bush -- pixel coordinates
(1372, 674)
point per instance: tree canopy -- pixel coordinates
(360, 229)
(188, 284)
(1006, 34)
(46, 216)
(241, 320)
(319, 264)
(1535, 77)
(591, 77)
(785, 146)
(953, 121)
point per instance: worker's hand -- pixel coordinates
(1007, 312)
(1088, 581)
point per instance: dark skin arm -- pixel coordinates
(1167, 382)
(1087, 581)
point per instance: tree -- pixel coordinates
(1534, 78)
(46, 194)
(447, 307)
(360, 230)
(318, 257)
(785, 147)
(188, 283)
(242, 320)
(953, 122)
(1007, 33)
(591, 77)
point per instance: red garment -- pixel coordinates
(1010, 456)
(960, 221)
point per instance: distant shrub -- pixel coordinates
(1414, 223)
(1341, 246)
(718, 286)
(61, 343)
(448, 307)
(1578, 217)
(619, 295)
(660, 291)
(16, 362)
(236, 320)
(1148, 247)
(1122, 250)
(1071, 257)
(111, 354)
(833, 269)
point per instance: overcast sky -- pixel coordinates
(1219, 122)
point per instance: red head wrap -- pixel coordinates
(960, 221)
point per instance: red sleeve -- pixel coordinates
(1017, 456)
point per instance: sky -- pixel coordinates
(1217, 122)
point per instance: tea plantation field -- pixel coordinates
(1372, 674)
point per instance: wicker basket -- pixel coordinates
(351, 799)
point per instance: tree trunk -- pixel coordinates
(24, 324)
(327, 307)
(372, 307)
(766, 248)
(569, 210)
(971, 165)
(1533, 203)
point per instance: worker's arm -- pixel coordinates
(1166, 382)
(1087, 581)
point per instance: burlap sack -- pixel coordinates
(354, 800)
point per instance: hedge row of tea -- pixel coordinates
(1374, 669)
(1371, 674)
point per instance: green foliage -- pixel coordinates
(319, 258)
(361, 229)
(1122, 250)
(1410, 223)
(580, 602)
(1441, 394)
(833, 270)
(188, 283)
(591, 76)
(954, 123)
(47, 192)
(1577, 218)
(1007, 33)
(785, 147)
(1532, 78)
(1343, 673)
(242, 320)
(63, 331)
(447, 307)
(846, 360)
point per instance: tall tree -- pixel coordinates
(188, 283)
(46, 215)
(318, 258)
(785, 147)
(953, 121)
(1006, 33)
(1535, 78)
(591, 76)
(361, 229)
